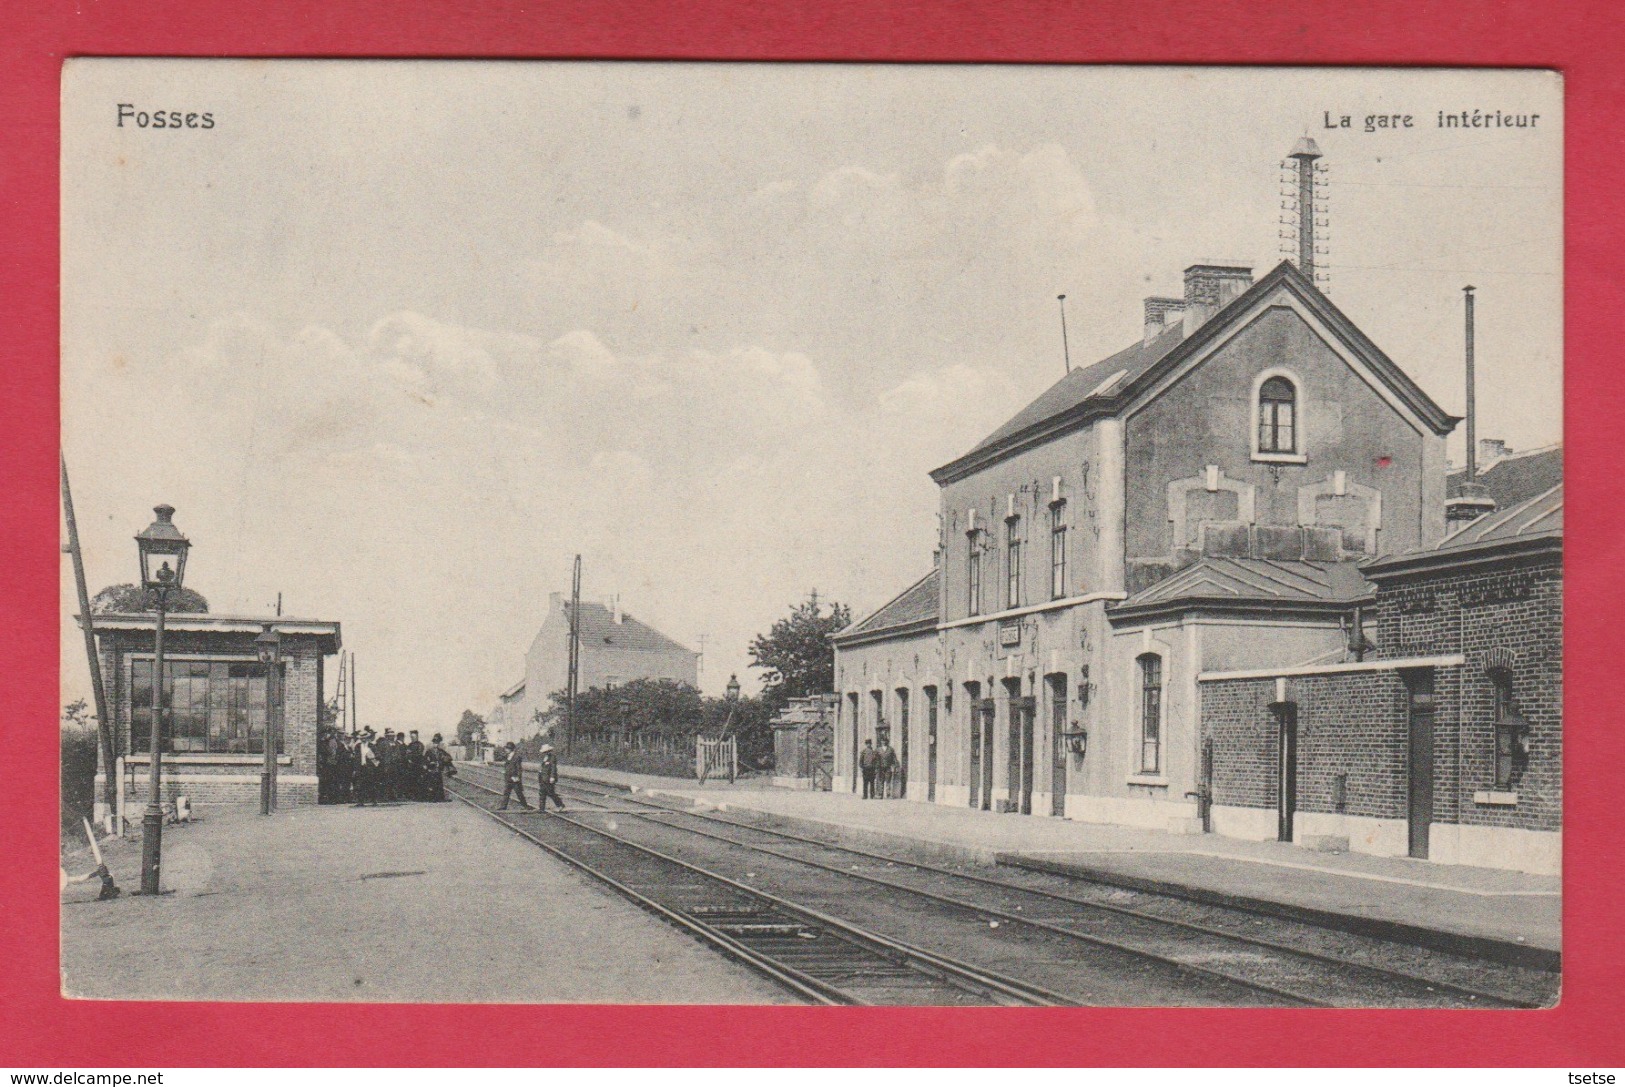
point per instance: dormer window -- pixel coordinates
(1277, 411)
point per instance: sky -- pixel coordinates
(399, 339)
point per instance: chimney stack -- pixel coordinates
(1160, 313)
(1210, 285)
(1491, 450)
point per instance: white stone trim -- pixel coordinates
(1247, 824)
(1337, 485)
(1030, 609)
(1211, 480)
(1536, 851)
(1129, 811)
(1494, 798)
(1448, 660)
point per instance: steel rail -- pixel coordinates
(801, 984)
(957, 973)
(1377, 972)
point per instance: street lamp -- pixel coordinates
(733, 688)
(163, 553)
(269, 646)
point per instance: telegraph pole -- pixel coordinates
(575, 654)
(104, 723)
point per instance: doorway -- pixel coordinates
(930, 744)
(973, 710)
(852, 715)
(1286, 775)
(1019, 795)
(902, 743)
(1419, 813)
(1057, 732)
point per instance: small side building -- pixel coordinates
(1444, 743)
(217, 702)
(804, 743)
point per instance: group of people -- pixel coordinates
(513, 777)
(879, 766)
(363, 768)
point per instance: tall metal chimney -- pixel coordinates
(1473, 498)
(1304, 153)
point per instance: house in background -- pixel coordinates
(216, 697)
(614, 649)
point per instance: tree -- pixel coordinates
(795, 657)
(129, 599)
(471, 729)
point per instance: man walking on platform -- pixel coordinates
(868, 763)
(547, 779)
(513, 777)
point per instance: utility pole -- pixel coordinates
(104, 723)
(575, 654)
(1066, 348)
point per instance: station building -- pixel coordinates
(1199, 502)
(217, 696)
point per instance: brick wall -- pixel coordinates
(1509, 617)
(1356, 723)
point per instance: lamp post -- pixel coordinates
(269, 646)
(159, 545)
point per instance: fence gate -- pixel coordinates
(716, 758)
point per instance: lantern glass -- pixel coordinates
(269, 645)
(733, 688)
(163, 552)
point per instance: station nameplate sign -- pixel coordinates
(1010, 633)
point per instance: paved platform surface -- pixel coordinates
(409, 902)
(1484, 903)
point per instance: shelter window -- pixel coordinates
(210, 707)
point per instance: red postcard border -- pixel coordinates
(1582, 39)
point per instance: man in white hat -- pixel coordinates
(547, 778)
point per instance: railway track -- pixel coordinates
(1065, 930)
(819, 959)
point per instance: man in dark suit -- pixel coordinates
(547, 779)
(513, 777)
(439, 767)
(412, 769)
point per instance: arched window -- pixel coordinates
(1150, 714)
(1277, 416)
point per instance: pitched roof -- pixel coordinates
(1534, 524)
(1251, 583)
(1515, 477)
(598, 627)
(915, 605)
(1105, 387)
(215, 623)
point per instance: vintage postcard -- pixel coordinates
(811, 534)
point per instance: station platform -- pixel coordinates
(1511, 916)
(398, 903)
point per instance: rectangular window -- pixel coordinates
(1012, 547)
(1057, 551)
(1150, 714)
(214, 707)
(973, 575)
